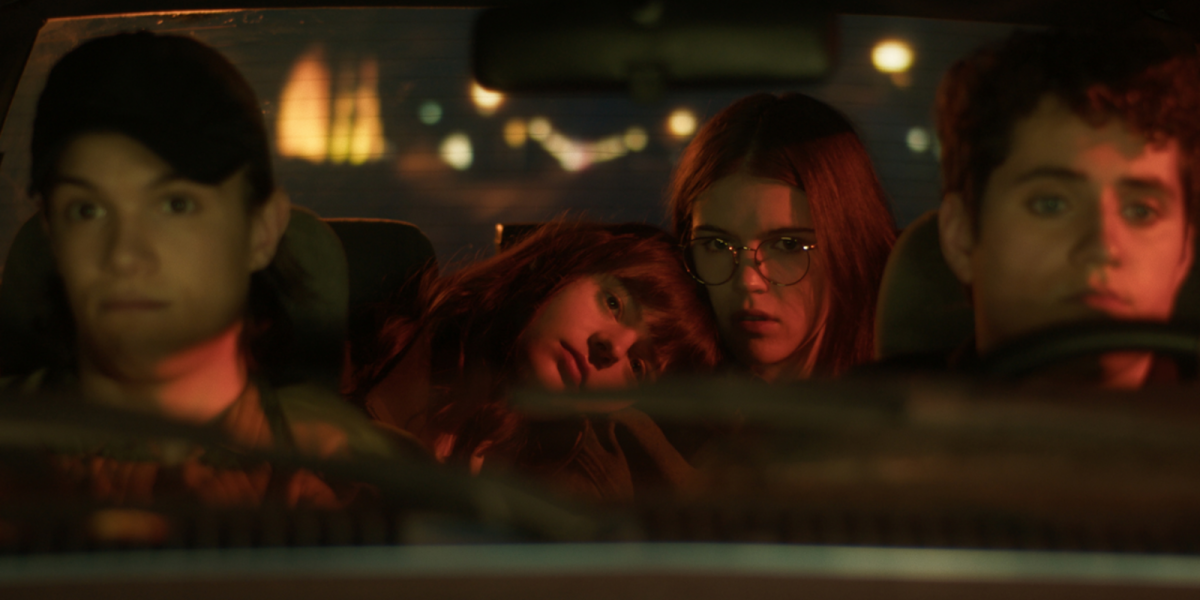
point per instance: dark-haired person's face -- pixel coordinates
(1078, 222)
(153, 264)
(770, 328)
(591, 334)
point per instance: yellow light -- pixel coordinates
(892, 56)
(636, 139)
(540, 129)
(918, 139)
(486, 101)
(302, 128)
(341, 131)
(366, 137)
(681, 123)
(456, 151)
(515, 133)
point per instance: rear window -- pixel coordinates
(373, 113)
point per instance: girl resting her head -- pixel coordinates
(575, 306)
(785, 224)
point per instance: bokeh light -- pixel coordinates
(635, 139)
(515, 133)
(430, 112)
(302, 128)
(539, 129)
(486, 101)
(320, 121)
(892, 56)
(681, 123)
(456, 151)
(918, 139)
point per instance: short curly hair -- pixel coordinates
(1146, 82)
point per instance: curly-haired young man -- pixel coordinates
(1069, 164)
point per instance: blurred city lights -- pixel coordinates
(456, 151)
(317, 125)
(681, 123)
(515, 133)
(302, 127)
(636, 139)
(366, 136)
(892, 56)
(486, 101)
(430, 112)
(539, 129)
(918, 139)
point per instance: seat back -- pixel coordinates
(386, 259)
(922, 307)
(33, 310)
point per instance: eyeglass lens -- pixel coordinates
(781, 260)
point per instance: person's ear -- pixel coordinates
(267, 225)
(957, 236)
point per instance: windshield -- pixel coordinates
(373, 113)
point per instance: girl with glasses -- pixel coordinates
(784, 223)
(575, 306)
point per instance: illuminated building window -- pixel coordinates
(321, 122)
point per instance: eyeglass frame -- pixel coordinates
(737, 259)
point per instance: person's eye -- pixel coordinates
(84, 211)
(717, 245)
(641, 370)
(789, 245)
(613, 303)
(179, 204)
(1139, 213)
(1047, 205)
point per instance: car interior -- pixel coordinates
(455, 130)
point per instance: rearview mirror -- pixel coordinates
(648, 47)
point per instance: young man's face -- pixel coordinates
(153, 264)
(1078, 222)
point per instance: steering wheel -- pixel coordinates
(1052, 346)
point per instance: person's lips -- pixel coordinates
(573, 367)
(1104, 300)
(132, 304)
(754, 321)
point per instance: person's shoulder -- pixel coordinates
(323, 424)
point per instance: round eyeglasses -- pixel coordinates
(782, 260)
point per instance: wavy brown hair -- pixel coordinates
(474, 317)
(1145, 82)
(808, 145)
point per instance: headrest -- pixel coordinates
(383, 256)
(922, 306)
(31, 302)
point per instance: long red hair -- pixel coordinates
(809, 145)
(474, 316)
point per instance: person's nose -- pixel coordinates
(608, 353)
(129, 249)
(1099, 243)
(747, 276)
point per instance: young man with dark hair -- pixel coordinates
(152, 170)
(1071, 176)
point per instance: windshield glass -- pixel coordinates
(373, 113)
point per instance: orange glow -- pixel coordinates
(681, 123)
(486, 101)
(366, 138)
(302, 128)
(343, 116)
(316, 127)
(515, 133)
